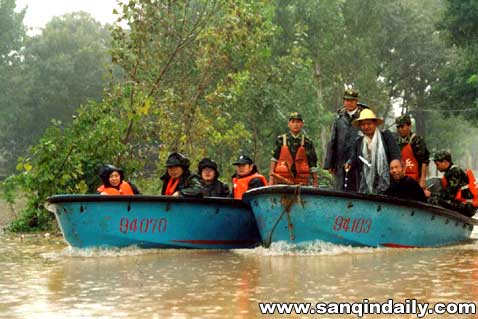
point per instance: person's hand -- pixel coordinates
(423, 183)
(428, 194)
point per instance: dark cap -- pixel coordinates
(442, 156)
(403, 119)
(207, 162)
(351, 94)
(243, 159)
(106, 170)
(177, 159)
(295, 116)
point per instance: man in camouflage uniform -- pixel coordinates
(294, 139)
(413, 149)
(453, 180)
(342, 140)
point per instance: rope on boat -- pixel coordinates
(287, 202)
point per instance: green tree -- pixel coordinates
(12, 34)
(62, 68)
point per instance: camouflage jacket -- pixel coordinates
(456, 178)
(293, 142)
(189, 184)
(419, 147)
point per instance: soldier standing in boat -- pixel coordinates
(341, 141)
(413, 149)
(459, 191)
(294, 159)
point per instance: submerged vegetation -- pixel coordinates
(216, 78)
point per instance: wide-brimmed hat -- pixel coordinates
(177, 159)
(243, 159)
(367, 114)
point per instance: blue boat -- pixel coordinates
(154, 221)
(296, 214)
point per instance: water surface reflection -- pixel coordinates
(41, 278)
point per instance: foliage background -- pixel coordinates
(217, 78)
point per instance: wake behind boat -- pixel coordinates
(154, 221)
(296, 214)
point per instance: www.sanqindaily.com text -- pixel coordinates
(364, 308)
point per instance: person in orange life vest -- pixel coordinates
(247, 176)
(413, 149)
(114, 183)
(294, 157)
(458, 193)
(178, 180)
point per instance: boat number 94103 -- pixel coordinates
(353, 225)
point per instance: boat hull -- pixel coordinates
(299, 214)
(154, 222)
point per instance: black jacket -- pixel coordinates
(216, 189)
(391, 150)
(406, 188)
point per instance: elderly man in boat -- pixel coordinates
(403, 186)
(372, 154)
(178, 180)
(459, 190)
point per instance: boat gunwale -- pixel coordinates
(80, 198)
(307, 190)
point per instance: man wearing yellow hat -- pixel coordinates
(372, 154)
(341, 142)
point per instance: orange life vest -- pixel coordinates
(472, 186)
(411, 164)
(241, 185)
(124, 189)
(171, 187)
(285, 162)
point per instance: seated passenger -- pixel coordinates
(246, 177)
(403, 186)
(114, 183)
(458, 192)
(212, 186)
(178, 180)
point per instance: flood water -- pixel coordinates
(43, 278)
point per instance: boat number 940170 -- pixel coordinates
(353, 225)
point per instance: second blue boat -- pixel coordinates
(297, 214)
